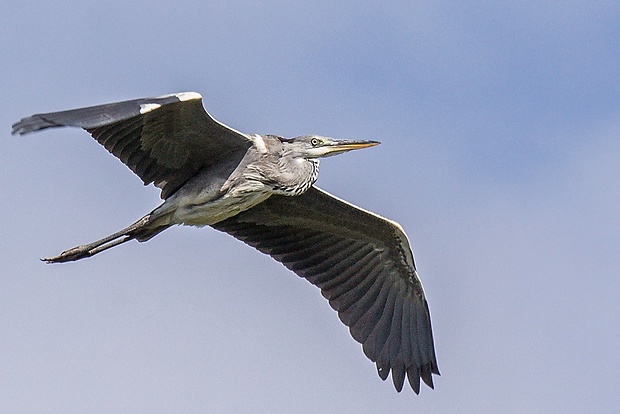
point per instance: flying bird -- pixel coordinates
(260, 189)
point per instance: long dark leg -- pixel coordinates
(136, 230)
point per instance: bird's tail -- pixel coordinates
(141, 230)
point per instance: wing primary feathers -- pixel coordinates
(374, 345)
(394, 345)
(359, 303)
(364, 325)
(398, 377)
(413, 375)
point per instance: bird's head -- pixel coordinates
(316, 146)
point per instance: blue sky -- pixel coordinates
(499, 126)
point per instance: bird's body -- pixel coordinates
(217, 194)
(259, 189)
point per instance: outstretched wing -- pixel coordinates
(363, 265)
(164, 140)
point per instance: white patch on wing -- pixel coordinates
(188, 96)
(182, 96)
(259, 142)
(144, 108)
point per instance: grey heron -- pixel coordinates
(259, 189)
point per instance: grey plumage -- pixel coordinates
(259, 189)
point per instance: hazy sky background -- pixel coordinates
(500, 130)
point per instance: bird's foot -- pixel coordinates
(70, 255)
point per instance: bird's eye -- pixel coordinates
(315, 142)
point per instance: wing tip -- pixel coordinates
(413, 373)
(17, 129)
(31, 124)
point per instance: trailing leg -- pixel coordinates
(139, 230)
